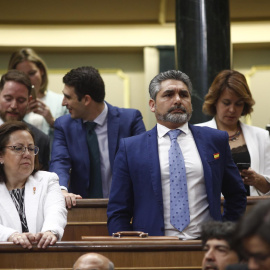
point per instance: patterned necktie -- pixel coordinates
(95, 185)
(179, 208)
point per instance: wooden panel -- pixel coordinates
(89, 217)
(124, 254)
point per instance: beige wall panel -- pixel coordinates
(151, 69)
(255, 65)
(259, 83)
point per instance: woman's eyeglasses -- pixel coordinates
(20, 150)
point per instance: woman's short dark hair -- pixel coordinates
(6, 130)
(28, 54)
(232, 80)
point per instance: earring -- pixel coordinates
(2, 162)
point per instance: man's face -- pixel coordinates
(218, 255)
(172, 106)
(76, 108)
(258, 253)
(14, 101)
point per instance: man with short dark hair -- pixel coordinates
(168, 180)
(216, 240)
(15, 95)
(86, 140)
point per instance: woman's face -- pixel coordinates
(33, 72)
(17, 166)
(229, 108)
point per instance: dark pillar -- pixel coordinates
(202, 45)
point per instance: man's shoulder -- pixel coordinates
(37, 132)
(141, 137)
(121, 111)
(66, 120)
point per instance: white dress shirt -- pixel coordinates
(198, 204)
(101, 130)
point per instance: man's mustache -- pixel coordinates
(182, 108)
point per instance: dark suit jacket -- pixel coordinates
(136, 190)
(70, 150)
(43, 142)
(237, 267)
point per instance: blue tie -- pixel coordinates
(179, 208)
(95, 185)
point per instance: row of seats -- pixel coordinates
(86, 231)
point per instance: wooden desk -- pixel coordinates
(89, 217)
(131, 255)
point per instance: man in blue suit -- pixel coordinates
(84, 93)
(141, 186)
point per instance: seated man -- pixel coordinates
(86, 140)
(216, 241)
(15, 95)
(93, 261)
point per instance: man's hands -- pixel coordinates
(26, 240)
(70, 198)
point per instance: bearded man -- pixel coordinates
(169, 180)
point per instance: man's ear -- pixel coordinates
(152, 105)
(87, 100)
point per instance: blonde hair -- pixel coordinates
(28, 54)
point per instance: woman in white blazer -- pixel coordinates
(228, 99)
(32, 207)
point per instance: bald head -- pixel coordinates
(93, 261)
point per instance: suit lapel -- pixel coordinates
(9, 208)
(202, 149)
(153, 159)
(33, 189)
(113, 131)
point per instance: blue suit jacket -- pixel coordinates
(136, 185)
(70, 157)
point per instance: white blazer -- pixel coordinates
(44, 206)
(258, 144)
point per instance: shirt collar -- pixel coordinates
(100, 120)
(162, 130)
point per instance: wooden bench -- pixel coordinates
(88, 217)
(130, 255)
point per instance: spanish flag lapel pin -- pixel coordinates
(216, 156)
